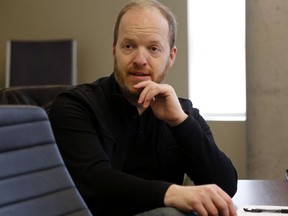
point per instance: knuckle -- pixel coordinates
(211, 188)
(214, 213)
(223, 207)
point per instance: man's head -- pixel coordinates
(144, 44)
(141, 4)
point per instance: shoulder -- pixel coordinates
(86, 87)
(97, 95)
(102, 86)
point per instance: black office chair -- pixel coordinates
(42, 95)
(33, 178)
(41, 62)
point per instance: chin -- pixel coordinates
(133, 93)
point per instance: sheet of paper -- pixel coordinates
(241, 212)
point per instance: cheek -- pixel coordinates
(122, 60)
(162, 69)
(161, 65)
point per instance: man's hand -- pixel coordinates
(163, 101)
(205, 200)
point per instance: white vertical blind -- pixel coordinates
(217, 80)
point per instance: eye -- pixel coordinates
(155, 50)
(127, 46)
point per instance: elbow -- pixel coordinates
(232, 185)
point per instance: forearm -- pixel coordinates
(206, 164)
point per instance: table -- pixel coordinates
(261, 192)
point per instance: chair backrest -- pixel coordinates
(33, 178)
(41, 62)
(42, 96)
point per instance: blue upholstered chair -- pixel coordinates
(33, 178)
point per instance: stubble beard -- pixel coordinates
(127, 89)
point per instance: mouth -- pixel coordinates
(140, 74)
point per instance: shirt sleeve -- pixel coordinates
(103, 188)
(206, 163)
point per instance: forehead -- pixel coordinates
(147, 21)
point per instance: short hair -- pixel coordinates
(164, 10)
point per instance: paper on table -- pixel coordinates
(241, 212)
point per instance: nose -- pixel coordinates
(140, 58)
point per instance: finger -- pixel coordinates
(229, 201)
(224, 203)
(141, 84)
(147, 102)
(226, 209)
(201, 210)
(231, 207)
(143, 97)
(211, 208)
(147, 95)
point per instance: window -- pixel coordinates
(217, 80)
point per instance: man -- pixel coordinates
(127, 139)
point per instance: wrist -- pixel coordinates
(178, 120)
(170, 195)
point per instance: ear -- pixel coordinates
(113, 50)
(172, 56)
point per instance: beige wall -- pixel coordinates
(91, 23)
(231, 138)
